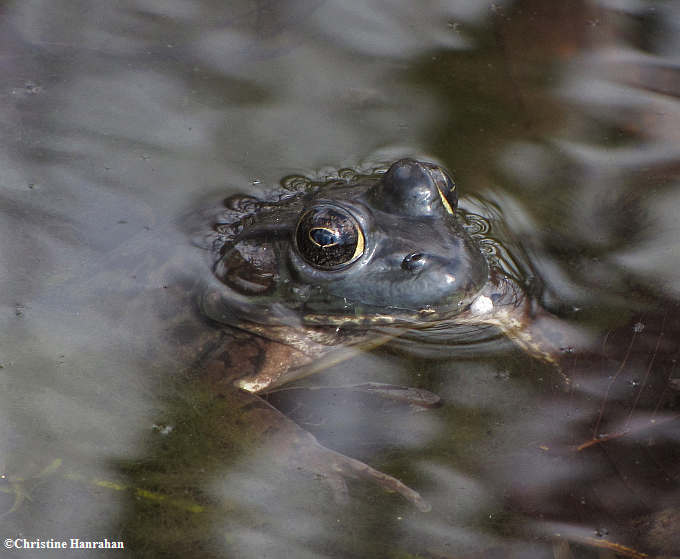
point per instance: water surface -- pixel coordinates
(123, 120)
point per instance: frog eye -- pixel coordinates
(329, 238)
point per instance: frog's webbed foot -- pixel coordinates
(334, 468)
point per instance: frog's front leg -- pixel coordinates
(297, 448)
(252, 363)
(256, 358)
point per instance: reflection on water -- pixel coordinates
(120, 119)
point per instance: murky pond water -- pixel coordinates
(123, 121)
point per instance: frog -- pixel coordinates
(313, 275)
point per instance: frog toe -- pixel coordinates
(335, 467)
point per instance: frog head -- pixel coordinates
(387, 249)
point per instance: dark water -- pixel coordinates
(120, 119)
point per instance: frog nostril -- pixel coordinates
(413, 261)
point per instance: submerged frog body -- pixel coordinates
(354, 263)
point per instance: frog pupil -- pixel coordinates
(323, 237)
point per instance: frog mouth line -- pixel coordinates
(471, 311)
(399, 317)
